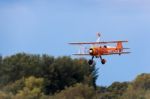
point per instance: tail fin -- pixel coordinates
(119, 46)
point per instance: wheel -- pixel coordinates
(90, 62)
(103, 61)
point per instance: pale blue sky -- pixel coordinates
(46, 26)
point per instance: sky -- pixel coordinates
(46, 27)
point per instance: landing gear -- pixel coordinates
(103, 61)
(91, 61)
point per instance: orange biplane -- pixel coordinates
(99, 49)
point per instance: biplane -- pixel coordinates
(99, 49)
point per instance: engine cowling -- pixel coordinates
(93, 51)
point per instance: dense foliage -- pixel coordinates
(27, 76)
(55, 73)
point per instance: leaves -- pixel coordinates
(28, 76)
(56, 73)
(78, 91)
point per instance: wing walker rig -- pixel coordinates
(99, 49)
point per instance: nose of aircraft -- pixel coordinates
(90, 51)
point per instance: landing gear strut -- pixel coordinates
(91, 61)
(103, 61)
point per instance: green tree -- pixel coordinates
(32, 89)
(118, 88)
(20, 65)
(142, 81)
(65, 72)
(139, 88)
(14, 87)
(78, 91)
(57, 73)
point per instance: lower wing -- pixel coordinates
(116, 53)
(81, 54)
(103, 54)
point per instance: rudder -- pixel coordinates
(119, 46)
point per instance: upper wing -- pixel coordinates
(79, 43)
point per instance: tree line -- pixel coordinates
(30, 76)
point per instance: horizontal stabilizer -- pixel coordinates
(125, 48)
